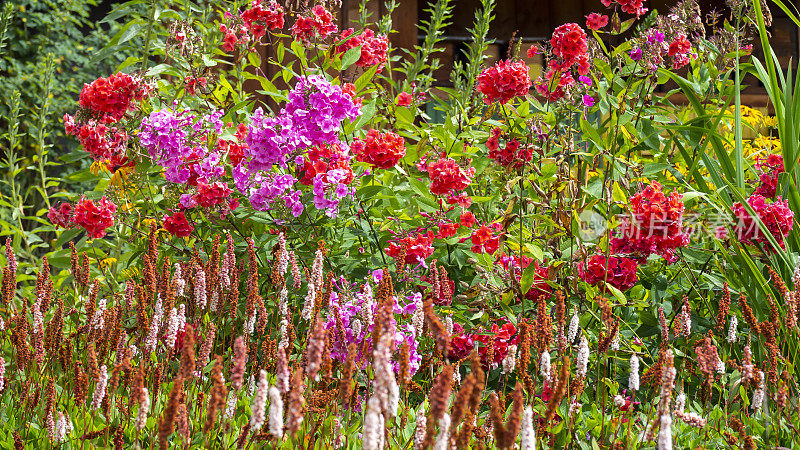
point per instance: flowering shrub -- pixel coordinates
(504, 81)
(616, 271)
(314, 259)
(656, 226)
(382, 150)
(776, 216)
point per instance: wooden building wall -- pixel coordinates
(535, 20)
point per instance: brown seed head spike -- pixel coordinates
(438, 397)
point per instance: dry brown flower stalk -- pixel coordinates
(296, 401)
(738, 426)
(400, 261)
(85, 270)
(559, 391)
(525, 356)
(8, 288)
(561, 318)
(722, 310)
(118, 439)
(749, 317)
(94, 366)
(54, 334)
(219, 394)
(205, 349)
(79, 389)
(707, 356)
(91, 303)
(461, 404)
(239, 360)
(437, 328)
(74, 264)
(439, 396)
(157, 375)
(667, 383)
(212, 268)
(346, 381)
(166, 426)
(188, 360)
(315, 348)
(543, 336)
(242, 439)
(506, 434)
(405, 354)
(607, 336)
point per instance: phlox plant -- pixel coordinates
(281, 247)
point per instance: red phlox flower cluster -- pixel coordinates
(319, 23)
(111, 97)
(448, 229)
(192, 83)
(350, 89)
(235, 148)
(595, 21)
(772, 167)
(484, 239)
(462, 199)
(177, 225)
(680, 51)
(382, 150)
(656, 226)
(321, 160)
(555, 84)
(500, 337)
(419, 247)
(100, 141)
(776, 216)
(447, 176)
(504, 81)
(61, 215)
(404, 99)
(467, 219)
(258, 19)
(570, 47)
(514, 264)
(209, 195)
(628, 6)
(619, 272)
(511, 155)
(94, 217)
(569, 43)
(374, 47)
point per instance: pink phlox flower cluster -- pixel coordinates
(329, 190)
(175, 140)
(353, 310)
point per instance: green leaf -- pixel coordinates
(350, 57)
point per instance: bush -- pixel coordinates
(315, 261)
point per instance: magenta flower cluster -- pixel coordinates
(312, 117)
(178, 142)
(356, 313)
(329, 190)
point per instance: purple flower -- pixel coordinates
(636, 54)
(656, 37)
(588, 101)
(585, 80)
